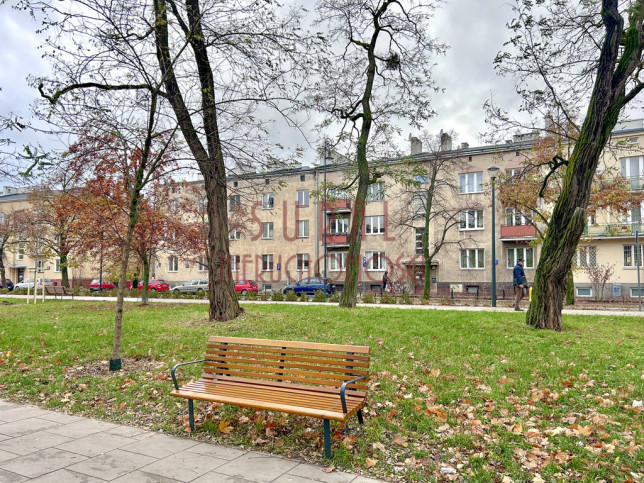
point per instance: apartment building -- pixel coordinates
(291, 227)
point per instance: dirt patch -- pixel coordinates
(102, 368)
(4, 302)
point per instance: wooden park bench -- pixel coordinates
(56, 290)
(327, 381)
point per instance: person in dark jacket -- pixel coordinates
(385, 281)
(519, 281)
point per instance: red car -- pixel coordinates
(155, 285)
(245, 286)
(96, 286)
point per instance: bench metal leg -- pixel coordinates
(327, 439)
(360, 418)
(191, 414)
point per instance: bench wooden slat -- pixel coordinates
(211, 354)
(284, 377)
(284, 366)
(292, 344)
(330, 355)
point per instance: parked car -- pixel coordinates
(155, 285)
(245, 286)
(311, 285)
(9, 284)
(192, 286)
(30, 283)
(95, 285)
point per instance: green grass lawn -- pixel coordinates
(476, 392)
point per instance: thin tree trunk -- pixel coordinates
(428, 211)
(64, 272)
(146, 280)
(3, 275)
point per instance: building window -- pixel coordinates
(629, 256)
(470, 182)
(174, 206)
(303, 228)
(376, 261)
(636, 292)
(267, 181)
(202, 264)
(584, 291)
(338, 194)
(514, 217)
(235, 184)
(526, 254)
(1, 218)
(337, 261)
(39, 265)
(173, 264)
(302, 262)
(303, 198)
(471, 220)
(339, 226)
(235, 263)
(234, 234)
(472, 258)
(20, 252)
(376, 192)
(375, 225)
(267, 263)
(234, 200)
(302, 177)
(57, 267)
(267, 230)
(268, 201)
(586, 257)
(419, 203)
(419, 240)
(421, 178)
(202, 205)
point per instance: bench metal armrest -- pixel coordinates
(343, 389)
(174, 368)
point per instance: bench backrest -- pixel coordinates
(287, 361)
(55, 289)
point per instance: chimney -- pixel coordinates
(465, 145)
(446, 141)
(416, 145)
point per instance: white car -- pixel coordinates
(30, 282)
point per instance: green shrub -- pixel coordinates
(334, 298)
(264, 296)
(369, 297)
(303, 297)
(387, 298)
(251, 296)
(424, 301)
(291, 297)
(4, 290)
(277, 296)
(319, 296)
(406, 299)
(176, 295)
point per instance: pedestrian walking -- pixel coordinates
(520, 283)
(385, 281)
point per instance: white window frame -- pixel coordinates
(470, 182)
(584, 252)
(419, 204)
(1, 218)
(174, 206)
(514, 217)
(268, 231)
(476, 216)
(302, 262)
(512, 260)
(634, 293)
(589, 294)
(376, 191)
(20, 251)
(234, 200)
(234, 234)
(337, 261)
(303, 228)
(418, 240)
(202, 264)
(173, 267)
(268, 201)
(40, 265)
(57, 267)
(267, 262)
(339, 226)
(235, 263)
(338, 194)
(374, 225)
(631, 248)
(302, 197)
(380, 260)
(479, 257)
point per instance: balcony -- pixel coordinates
(613, 230)
(636, 182)
(518, 232)
(337, 206)
(337, 240)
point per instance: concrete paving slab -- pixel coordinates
(213, 477)
(9, 477)
(26, 426)
(159, 446)
(315, 473)
(30, 443)
(184, 466)
(130, 432)
(362, 479)
(257, 467)
(81, 428)
(7, 455)
(66, 476)
(223, 452)
(41, 462)
(61, 418)
(112, 465)
(143, 477)
(292, 479)
(21, 412)
(95, 444)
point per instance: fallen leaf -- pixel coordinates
(370, 462)
(400, 440)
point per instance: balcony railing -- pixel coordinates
(613, 229)
(636, 182)
(337, 239)
(518, 231)
(337, 205)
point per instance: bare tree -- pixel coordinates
(10, 227)
(381, 73)
(571, 58)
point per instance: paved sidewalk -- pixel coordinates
(48, 446)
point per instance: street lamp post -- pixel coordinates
(327, 156)
(492, 171)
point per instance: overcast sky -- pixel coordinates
(474, 30)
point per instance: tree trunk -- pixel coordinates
(3, 275)
(64, 272)
(428, 212)
(146, 280)
(570, 289)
